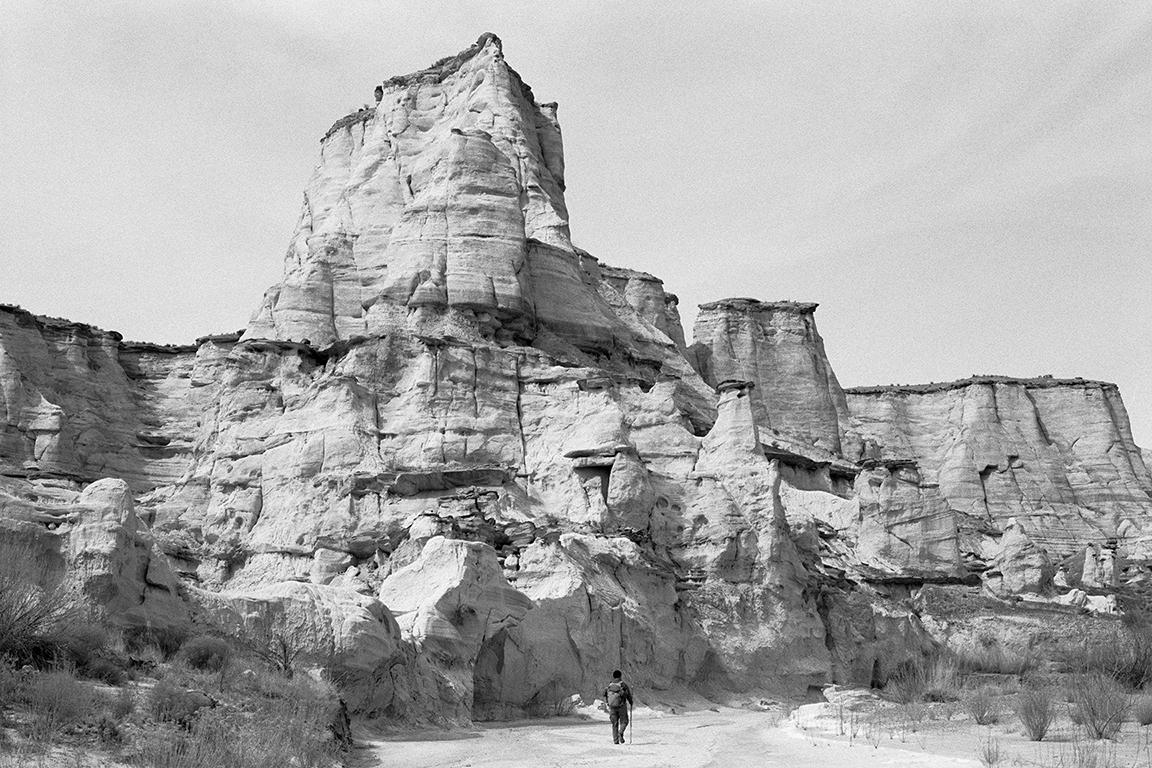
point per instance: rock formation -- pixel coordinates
(776, 346)
(473, 469)
(1054, 457)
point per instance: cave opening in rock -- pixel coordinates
(487, 679)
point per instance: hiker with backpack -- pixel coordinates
(619, 698)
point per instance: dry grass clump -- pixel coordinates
(148, 641)
(935, 678)
(1099, 705)
(1126, 656)
(263, 720)
(1036, 713)
(287, 724)
(993, 658)
(56, 701)
(207, 653)
(990, 753)
(981, 706)
(1142, 710)
(169, 702)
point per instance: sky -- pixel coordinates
(965, 188)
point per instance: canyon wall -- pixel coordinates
(476, 469)
(1056, 456)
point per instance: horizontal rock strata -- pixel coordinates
(475, 469)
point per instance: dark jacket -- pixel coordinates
(625, 692)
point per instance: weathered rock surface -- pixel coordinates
(1056, 456)
(775, 345)
(475, 469)
(94, 544)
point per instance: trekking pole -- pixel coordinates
(631, 723)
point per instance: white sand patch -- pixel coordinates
(728, 737)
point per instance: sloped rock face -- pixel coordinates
(476, 469)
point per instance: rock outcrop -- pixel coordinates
(92, 544)
(1054, 455)
(775, 345)
(473, 468)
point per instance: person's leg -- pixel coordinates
(623, 723)
(614, 718)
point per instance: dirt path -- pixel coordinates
(723, 739)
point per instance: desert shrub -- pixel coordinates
(87, 647)
(906, 683)
(1135, 671)
(57, 700)
(993, 658)
(30, 613)
(941, 678)
(981, 706)
(172, 703)
(104, 670)
(276, 649)
(1035, 710)
(277, 730)
(82, 643)
(122, 704)
(1142, 710)
(934, 678)
(1126, 657)
(164, 640)
(1099, 705)
(207, 653)
(990, 753)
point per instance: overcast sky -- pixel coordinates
(964, 187)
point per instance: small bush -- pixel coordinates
(941, 679)
(165, 640)
(1099, 705)
(29, 612)
(104, 670)
(207, 653)
(122, 704)
(1142, 710)
(934, 678)
(990, 753)
(57, 700)
(81, 644)
(981, 706)
(171, 703)
(993, 658)
(1035, 710)
(1126, 657)
(292, 729)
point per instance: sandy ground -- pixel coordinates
(724, 738)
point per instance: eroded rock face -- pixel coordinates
(476, 469)
(93, 543)
(1055, 455)
(1018, 565)
(775, 345)
(78, 402)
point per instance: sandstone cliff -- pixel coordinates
(1054, 455)
(476, 469)
(775, 345)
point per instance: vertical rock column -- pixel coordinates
(775, 345)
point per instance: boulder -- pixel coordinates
(1019, 566)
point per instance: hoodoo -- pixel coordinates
(474, 469)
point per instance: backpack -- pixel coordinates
(615, 691)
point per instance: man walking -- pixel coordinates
(619, 698)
